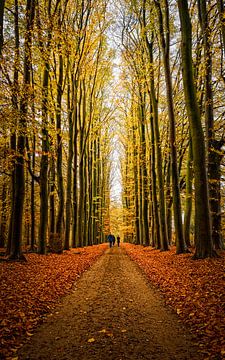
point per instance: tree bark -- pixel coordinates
(69, 170)
(188, 197)
(203, 233)
(165, 44)
(2, 7)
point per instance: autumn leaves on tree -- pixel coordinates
(60, 111)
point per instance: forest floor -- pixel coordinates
(112, 311)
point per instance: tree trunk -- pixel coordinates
(162, 216)
(3, 224)
(32, 199)
(60, 213)
(213, 162)
(156, 239)
(165, 44)
(145, 217)
(69, 172)
(52, 226)
(221, 9)
(203, 233)
(188, 199)
(2, 7)
(43, 225)
(136, 197)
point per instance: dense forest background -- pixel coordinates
(89, 87)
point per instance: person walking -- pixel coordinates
(118, 240)
(110, 240)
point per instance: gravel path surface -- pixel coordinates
(113, 313)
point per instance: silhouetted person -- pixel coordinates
(118, 240)
(114, 240)
(110, 240)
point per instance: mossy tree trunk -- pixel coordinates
(212, 144)
(203, 234)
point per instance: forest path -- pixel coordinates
(112, 314)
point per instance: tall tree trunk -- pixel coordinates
(188, 198)
(203, 240)
(75, 172)
(2, 7)
(13, 137)
(136, 196)
(3, 224)
(17, 223)
(60, 213)
(214, 196)
(165, 44)
(145, 216)
(52, 227)
(221, 9)
(69, 170)
(160, 179)
(32, 199)
(156, 239)
(43, 225)
(169, 200)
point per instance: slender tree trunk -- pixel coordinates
(214, 196)
(145, 216)
(69, 172)
(43, 225)
(52, 227)
(188, 199)
(203, 241)
(60, 213)
(180, 243)
(162, 216)
(2, 7)
(136, 197)
(156, 239)
(32, 196)
(3, 224)
(221, 9)
(75, 173)
(17, 223)
(169, 200)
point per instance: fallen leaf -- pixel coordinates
(103, 331)
(91, 340)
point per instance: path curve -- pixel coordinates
(112, 314)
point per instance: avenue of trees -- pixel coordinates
(60, 110)
(55, 131)
(172, 96)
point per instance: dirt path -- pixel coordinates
(112, 314)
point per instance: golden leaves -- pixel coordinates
(195, 289)
(30, 291)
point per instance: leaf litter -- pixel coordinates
(195, 289)
(30, 291)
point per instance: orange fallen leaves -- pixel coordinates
(30, 290)
(194, 289)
